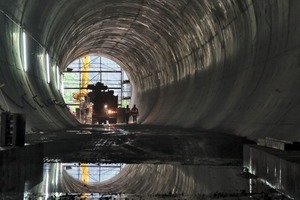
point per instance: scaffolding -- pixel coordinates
(93, 172)
(102, 70)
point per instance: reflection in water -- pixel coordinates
(20, 170)
(161, 181)
(92, 172)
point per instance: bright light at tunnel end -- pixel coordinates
(24, 51)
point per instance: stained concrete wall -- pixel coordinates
(229, 66)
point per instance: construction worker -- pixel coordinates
(134, 113)
(127, 114)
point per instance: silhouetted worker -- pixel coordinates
(134, 113)
(127, 114)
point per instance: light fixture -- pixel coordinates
(62, 84)
(48, 67)
(58, 77)
(24, 51)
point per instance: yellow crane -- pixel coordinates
(85, 172)
(83, 92)
(85, 177)
(79, 96)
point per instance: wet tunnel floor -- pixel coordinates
(205, 165)
(141, 144)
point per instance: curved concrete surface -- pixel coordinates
(230, 66)
(149, 179)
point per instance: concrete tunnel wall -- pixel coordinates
(227, 66)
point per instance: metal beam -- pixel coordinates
(77, 88)
(94, 71)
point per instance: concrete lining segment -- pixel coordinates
(228, 66)
(278, 168)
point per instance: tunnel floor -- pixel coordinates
(161, 163)
(141, 144)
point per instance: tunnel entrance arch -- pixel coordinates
(90, 70)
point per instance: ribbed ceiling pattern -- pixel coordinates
(146, 37)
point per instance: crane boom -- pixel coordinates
(85, 76)
(78, 96)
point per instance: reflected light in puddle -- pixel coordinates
(93, 172)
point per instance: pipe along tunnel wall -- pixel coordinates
(227, 66)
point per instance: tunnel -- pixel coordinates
(229, 66)
(226, 66)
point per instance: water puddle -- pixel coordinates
(148, 181)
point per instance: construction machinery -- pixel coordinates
(83, 91)
(81, 96)
(105, 104)
(95, 99)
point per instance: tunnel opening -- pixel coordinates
(81, 79)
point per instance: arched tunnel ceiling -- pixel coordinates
(146, 37)
(224, 65)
